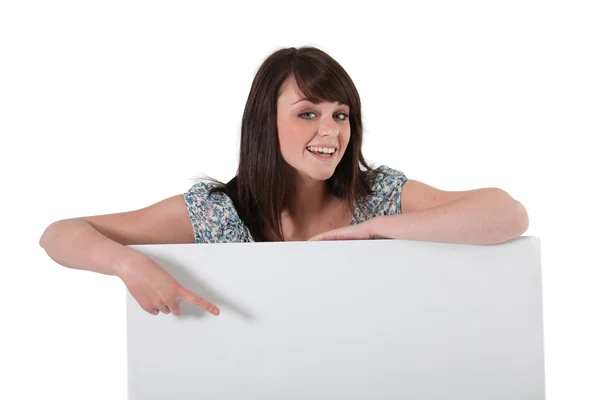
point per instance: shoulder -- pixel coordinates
(199, 196)
(213, 215)
(386, 186)
(383, 179)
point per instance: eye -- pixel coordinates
(304, 113)
(345, 116)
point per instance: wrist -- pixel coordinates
(125, 262)
(378, 227)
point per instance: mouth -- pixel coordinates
(322, 152)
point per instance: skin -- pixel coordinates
(300, 124)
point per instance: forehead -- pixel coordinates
(290, 93)
(289, 89)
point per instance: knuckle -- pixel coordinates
(158, 305)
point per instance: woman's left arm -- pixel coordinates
(480, 216)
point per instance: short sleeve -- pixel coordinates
(387, 191)
(213, 216)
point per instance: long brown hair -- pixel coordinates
(259, 188)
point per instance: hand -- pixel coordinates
(362, 231)
(156, 290)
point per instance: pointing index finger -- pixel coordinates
(192, 298)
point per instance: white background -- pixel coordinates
(112, 106)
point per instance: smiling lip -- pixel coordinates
(324, 158)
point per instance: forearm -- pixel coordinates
(486, 217)
(74, 243)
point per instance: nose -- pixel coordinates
(329, 128)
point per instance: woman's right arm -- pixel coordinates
(99, 244)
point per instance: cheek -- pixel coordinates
(345, 137)
(288, 146)
(291, 136)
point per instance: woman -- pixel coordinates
(301, 176)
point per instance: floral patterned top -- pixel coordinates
(215, 219)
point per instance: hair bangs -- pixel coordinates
(322, 84)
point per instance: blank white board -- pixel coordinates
(377, 319)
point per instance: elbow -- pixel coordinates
(522, 218)
(42, 240)
(47, 232)
(516, 224)
(519, 224)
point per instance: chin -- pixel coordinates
(320, 174)
(307, 169)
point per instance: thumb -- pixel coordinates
(320, 236)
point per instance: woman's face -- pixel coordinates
(312, 137)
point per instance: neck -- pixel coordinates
(306, 198)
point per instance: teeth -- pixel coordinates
(321, 149)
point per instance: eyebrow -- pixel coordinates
(304, 98)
